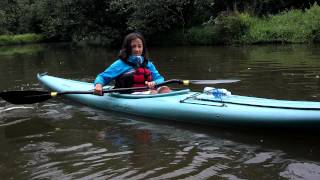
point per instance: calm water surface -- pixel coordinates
(60, 139)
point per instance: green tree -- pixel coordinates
(152, 16)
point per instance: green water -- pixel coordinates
(60, 139)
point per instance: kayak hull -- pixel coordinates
(195, 107)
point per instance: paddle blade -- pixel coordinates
(222, 81)
(25, 97)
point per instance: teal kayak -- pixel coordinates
(196, 107)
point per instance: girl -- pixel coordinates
(132, 69)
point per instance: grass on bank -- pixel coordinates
(20, 39)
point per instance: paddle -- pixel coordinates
(34, 96)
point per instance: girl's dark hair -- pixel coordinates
(126, 49)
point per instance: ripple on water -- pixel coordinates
(4, 123)
(302, 171)
(15, 111)
(12, 114)
(55, 111)
(48, 160)
(259, 158)
(73, 148)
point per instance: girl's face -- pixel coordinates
(136, 47)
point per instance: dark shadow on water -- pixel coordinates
(33, 126)
(301, 143)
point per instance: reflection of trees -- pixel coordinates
(284, 71)
(11, 51)
(274, 71)
(199, 62)
(57, 59)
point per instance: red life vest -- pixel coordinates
(135, 78)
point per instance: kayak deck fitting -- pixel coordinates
(196, 107)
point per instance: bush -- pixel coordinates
(225, 29)
(312, 19)
(294, 26)
(231, 27)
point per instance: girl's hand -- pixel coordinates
(98, 90)
(150, 84)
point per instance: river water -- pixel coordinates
(60, 139)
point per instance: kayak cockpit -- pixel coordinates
(138, 96)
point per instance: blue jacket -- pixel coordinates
(119, 67)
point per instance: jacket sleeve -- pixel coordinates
(113, 71)
(156, 77)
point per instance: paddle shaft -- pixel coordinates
(178, 81)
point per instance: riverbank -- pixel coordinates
(21, 39)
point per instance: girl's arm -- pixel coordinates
(156, 77)
(113, 71)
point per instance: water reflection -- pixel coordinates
(132, 148)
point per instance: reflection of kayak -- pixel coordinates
(194, 107)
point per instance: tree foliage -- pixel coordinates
(106, 21)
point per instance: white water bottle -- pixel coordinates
(218, 93)
(208, 90)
